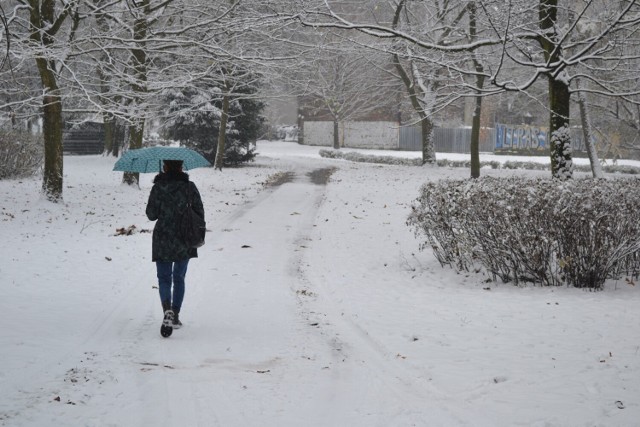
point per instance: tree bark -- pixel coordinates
(592, 152)
(53, 159)
(336, 134)
(136, 132)
(474, 145)
(41, 18)
(559, 95)
(559, 130)
(426, 124)
(110, 143)
(428, 150)
(300, 119)
(139, 86)
(222, 133)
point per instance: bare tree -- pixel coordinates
(341, 83)
(41, 29)
(5, 37)
(540, 40)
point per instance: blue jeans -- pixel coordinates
(169, 272)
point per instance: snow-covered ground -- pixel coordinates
(310, 305)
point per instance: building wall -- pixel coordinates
(375, 135)
(318, 133)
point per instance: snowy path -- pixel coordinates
(268, 343)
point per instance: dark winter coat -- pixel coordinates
(167, 201)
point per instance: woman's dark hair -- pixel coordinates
(172, 166)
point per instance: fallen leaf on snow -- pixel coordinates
(128, 231)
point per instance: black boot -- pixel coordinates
(177, 324)
(168, 314)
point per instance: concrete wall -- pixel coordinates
(378, 135)
(318, 133)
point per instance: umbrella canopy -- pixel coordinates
(149, 160)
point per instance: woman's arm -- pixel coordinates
(197, 205)
(153, 207)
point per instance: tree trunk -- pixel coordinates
(585, 117)
(428, 150)
(559, 130)
(300, 123)
(53, 160)
(41, 16)
(222, 134)
(559, 95)
(426, 125)
(139, 86)
(336, 134)
(108, 120)
(109, 126)
(474, 145)
(136, 132)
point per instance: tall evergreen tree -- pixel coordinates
(199, 115)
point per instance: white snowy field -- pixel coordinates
(310, 305)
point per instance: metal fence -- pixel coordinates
(86, 139)
(446, 140)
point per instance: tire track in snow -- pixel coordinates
(360, 357)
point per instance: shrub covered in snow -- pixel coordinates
(466, 163)
(550, 232)
(287, 133)
(367, 158)
(493, 164)
(21, 154)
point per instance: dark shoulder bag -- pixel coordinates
(192, 227)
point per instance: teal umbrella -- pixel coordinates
(148, 160)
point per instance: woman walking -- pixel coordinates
(168, 199)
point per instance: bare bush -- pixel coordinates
(579, 232)
(21, 154)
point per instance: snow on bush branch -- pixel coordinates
(21, 154)
(366, 158)
(549, 232)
